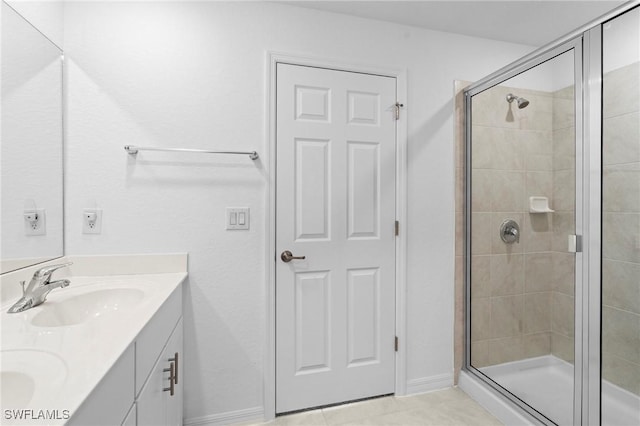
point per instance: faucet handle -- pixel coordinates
(22, 285)
(48, 270)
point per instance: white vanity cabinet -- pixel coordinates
(137, 389)
(160, 400)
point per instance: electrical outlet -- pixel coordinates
(92, 221)
(34, 222)
(237, 217)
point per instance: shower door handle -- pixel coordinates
(575, 243)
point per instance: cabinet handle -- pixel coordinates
(175, 359)
(172, 376)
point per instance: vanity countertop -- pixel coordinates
(55, 354)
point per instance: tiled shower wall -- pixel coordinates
(563, 202)
(513, 284)
(621, 228)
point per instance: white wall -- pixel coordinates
(555, 74)
(193, 75)
(46, 15)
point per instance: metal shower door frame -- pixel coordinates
(592, 208)
(575, 45)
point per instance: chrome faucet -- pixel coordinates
(38, 288)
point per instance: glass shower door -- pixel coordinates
(620, 355)
(522, 210)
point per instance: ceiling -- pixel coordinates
(533, 23)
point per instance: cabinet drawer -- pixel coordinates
(154, 336)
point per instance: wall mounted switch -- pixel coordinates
(92, 221)
(237, 218)
(34, 222)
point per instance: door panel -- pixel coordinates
(363, 191)
(312, 192)
(313, 335)
(363, 308)
(335, 309)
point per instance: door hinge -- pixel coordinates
(397, 229)
(396, 344)
(398, 106)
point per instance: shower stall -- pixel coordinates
(552, 234)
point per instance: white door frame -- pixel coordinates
(272, 59)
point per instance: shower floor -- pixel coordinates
(546, 383)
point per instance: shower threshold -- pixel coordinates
(546, 383)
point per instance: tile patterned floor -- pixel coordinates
(450, 407)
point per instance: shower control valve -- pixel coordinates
(510, 231)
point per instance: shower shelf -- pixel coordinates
(539, 205)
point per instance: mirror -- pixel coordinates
(31, 160)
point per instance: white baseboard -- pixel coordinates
(427, 384)
(230, 417)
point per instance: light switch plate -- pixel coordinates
(237, 218)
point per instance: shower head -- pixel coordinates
(522, 102)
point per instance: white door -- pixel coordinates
(335, 309)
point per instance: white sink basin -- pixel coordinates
(17, 388)
(83, 307)
(26, 372)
